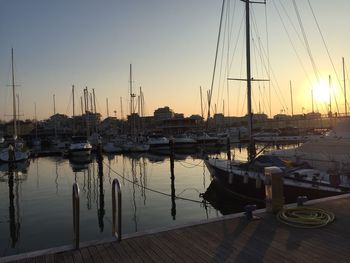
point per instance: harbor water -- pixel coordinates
(36, 200)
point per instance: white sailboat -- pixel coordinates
(80, 145)
(15, 150)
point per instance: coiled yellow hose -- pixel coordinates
(305, 217)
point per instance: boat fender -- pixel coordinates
(245, 178)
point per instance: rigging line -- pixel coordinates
(290, 40)
(268, 59)
(149, 189)
(216, 55)
(227, 59)
(325, 45)
(281, 99)
(220, 92)
(306, 41)
(240, 86)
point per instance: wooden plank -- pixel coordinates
(142, 253)
(176, 255)
(182, 246)
(95, 255)
(134, 257)
(115, 256)
(77, 257)
(68, 257)
(149, 249)
(103, 254)
(85, 254)
(119, 250)
(50, 258)
(149, 244)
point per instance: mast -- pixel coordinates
(132, 96)
(107, 107)
(121, 108)
(13, 97)
(81, 105)
(346, 104)
(18, 124)
(249, 78)
(291, 96)
(93, 92)
(200, 88)
(54, 105)
(73, 101)
(330, 94)
(36, 122)
(54, 113)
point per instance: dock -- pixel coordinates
(231, 238)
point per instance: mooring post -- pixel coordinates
(172, 178)
(76, 214)
(274, 189)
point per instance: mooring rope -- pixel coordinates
(305, 217)
(150, 189)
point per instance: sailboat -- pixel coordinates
(80, 146)
(134, 143)
(248, 178)
(14, 150)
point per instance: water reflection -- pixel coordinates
(101, 206)
(14, 174)
(158, 190)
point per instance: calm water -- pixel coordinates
(36, 204)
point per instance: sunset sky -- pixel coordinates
(171, 46)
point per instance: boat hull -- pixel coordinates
(240, 186)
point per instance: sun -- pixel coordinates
(321, 91)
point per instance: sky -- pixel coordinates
(171, 46)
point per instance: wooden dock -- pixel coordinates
(231, 238)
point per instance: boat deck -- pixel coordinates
(232, 238)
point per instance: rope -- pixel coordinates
(305, 217)
(149, 189)
(190, 165)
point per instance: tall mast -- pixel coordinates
(81, 105)
(54, 105)
(249, 78)
(200, 88)
(13, 97)
(107, 107)
(73, 100)
(36, 122)
(330, 94)
(93, 92)
(132, 96)
(121, 108)
(291, 96)
(18, 124)
(346, 104)
(54, 113)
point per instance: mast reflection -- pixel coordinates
(14, 173)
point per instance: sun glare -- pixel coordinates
(321, 91)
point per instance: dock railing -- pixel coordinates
(117, 210)
(76, 215)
